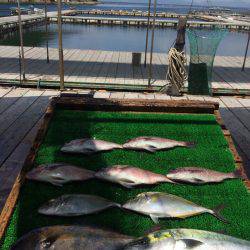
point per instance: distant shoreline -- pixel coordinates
(43, 2)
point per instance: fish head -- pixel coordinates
(47, 173)
(51, 206)
(177, 175)
(139, 202)
(73, 146)
(42, 238)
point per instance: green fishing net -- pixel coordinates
(203, 46)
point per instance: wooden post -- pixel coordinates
(152, 46)
(60, 46)
(148, 24)
(174, 89)
(181, 30)
(46, 30)
(22, 66)
(245, 57)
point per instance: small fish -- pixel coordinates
(129, 176)
(71, 238)
(89, 146)
(181, 239)
(163, 205)
(75, 205)
(153, 144)
(59, 173)
(200, 175)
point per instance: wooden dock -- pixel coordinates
(21, 112)
(160, 22)
(10, 23)
(111, 69)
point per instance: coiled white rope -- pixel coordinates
(177, 73)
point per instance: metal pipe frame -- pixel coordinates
(245, 57)
(146, 46)
(152, 46)
(60, 46)
(46, 29)
(22, 61)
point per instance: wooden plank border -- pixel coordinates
(8, 208)
(237, 159)
(139, 105)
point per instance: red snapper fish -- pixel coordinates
(59, 173)
(129, 176)
(197, 175)
(153, 144)
(89, 146)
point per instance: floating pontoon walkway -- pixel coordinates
(111, 69)
(10, 23)
(161, 22)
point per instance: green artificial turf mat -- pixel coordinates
(211, 152)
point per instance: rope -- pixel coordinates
(177, 73)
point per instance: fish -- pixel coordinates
(71, 237)
(164, 205)
(129, 176)
(153, 144)
(76, 205)
(182, 238)
(89, 146)
(59, 173)
(197, 175)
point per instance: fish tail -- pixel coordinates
(237, 173)
(216, 213)
(117, 205)
(190, 144)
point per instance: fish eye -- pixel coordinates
(45, 243)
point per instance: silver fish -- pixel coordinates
(75, 205)
(59, 173)
(200, 175)
(181, 239)
(153, 144)
(129, 176)
(89, 146)
(163, 205)
(71, 238)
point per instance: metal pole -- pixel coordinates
(146, 46)
(245, 57)
(152, 46)
(60, 48)
(21, 39)
(46, 30)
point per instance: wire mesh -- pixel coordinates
(203, 46)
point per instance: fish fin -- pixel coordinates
(216, 213)
(154, 219)
(125, 184)
(190, 144)
(191, 243)
(56, 184)
(151, 149)
(238, 174)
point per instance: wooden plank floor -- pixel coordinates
(21, 112)
(112, 67)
